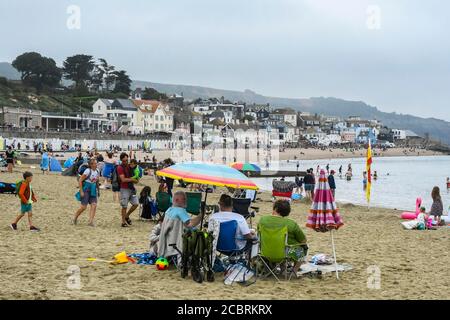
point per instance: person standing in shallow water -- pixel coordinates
(364, 180)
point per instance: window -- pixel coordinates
(156, 118)
(156, 126)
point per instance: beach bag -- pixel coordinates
(238, 273)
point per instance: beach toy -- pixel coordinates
(411, 215)
(162, 264)
(296, 196)
(100, 260)
(122, 257)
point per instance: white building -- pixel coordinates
(122, 110)
(399, 134)
(285, 115)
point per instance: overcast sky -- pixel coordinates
(284, 48)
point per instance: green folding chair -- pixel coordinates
(163, 201)
(273, 250)
(193, 202)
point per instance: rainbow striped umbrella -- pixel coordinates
(241, 166)
(206, 173)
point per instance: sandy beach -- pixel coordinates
(413, 264)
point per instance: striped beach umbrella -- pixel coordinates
(324, 214)
(245, 166)
(206, 173)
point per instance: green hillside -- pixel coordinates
(14, 94)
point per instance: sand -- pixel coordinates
(413, 264)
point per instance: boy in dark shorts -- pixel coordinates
(27, 197)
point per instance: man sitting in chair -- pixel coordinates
(175, 220)
(243, 232)
(296, 238)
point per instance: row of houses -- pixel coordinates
(208, 119)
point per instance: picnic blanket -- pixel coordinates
(311, 267)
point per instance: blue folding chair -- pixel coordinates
(226, 242)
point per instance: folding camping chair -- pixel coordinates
(242, 206)
(163, 202)
(194, 202)
(273, 251)
(226, 243)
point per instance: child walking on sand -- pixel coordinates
(27, 197)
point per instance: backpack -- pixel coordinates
(115, 180)
(17, 187)
(82, 168)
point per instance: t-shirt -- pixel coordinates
(331, 182)
(242, 226)
(421, 217)
(177, 213)
(295, 234)
(121, 170)
(92, 174)
(9, 155)
(308, 179)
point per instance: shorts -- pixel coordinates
(308, 187)
(297, 253)
(9, 161)
(88, 199)
(128, 196)
(25, 207)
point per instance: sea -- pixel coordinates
(400, 180)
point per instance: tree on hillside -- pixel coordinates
(37, 71)
(97, 78)
(79, 68)
(152, 94)
(122, 83)
(108, 72)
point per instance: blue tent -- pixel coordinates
(69, 162)
(55, 165)
(44, 161)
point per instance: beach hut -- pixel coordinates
(324, 214)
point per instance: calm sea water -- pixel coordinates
(400, 180)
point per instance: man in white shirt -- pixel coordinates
(243, 232)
